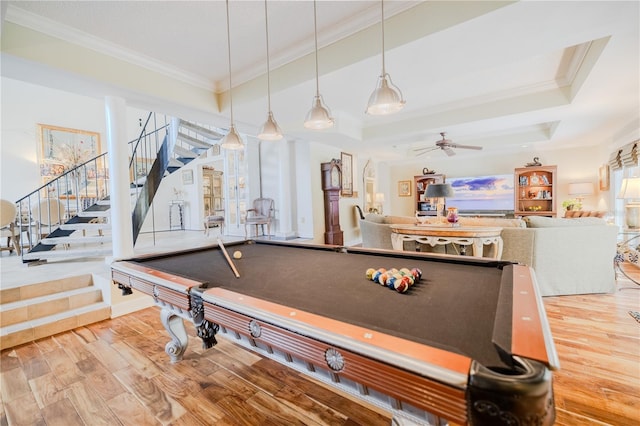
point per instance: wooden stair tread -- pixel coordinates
(5, 307)
(45, 288)
(52, 318)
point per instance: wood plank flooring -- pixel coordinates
(116, 373)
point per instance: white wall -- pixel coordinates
(304, 180)
(24, 106)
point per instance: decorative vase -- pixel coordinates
(452, 215)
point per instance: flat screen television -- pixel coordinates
(483, 194)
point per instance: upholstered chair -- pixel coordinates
(261, 214)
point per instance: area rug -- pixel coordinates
(635, 315)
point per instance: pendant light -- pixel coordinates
(270, 131)
(232, 140)
(319, 116)
(386, 98)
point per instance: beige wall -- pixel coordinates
(574, 165)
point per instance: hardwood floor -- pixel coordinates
(116, 372)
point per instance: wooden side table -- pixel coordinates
(475, 236)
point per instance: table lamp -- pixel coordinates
(439, 191)
(580, 190)
(630, 191)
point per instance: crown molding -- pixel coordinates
(32, 21)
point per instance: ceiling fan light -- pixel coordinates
(386, 98)
(232, 140)
(318, 117)
(270, 131)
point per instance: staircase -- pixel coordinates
(34, 311)
(39, 310)
(87, 233)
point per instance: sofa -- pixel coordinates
(568, 255)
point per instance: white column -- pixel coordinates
(284, 206)
(121, 226)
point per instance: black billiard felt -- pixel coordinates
(453, 306)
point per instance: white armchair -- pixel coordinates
(262, 214)
(8, 226)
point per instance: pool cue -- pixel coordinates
(229, 261)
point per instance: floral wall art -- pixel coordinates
(62, 150)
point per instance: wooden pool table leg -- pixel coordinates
(179, 338)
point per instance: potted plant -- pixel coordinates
(572, 204)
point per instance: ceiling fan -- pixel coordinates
(446, 145)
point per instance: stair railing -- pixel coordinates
(43, 210)
(84, 185)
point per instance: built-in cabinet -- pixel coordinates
(425, 206)
(535, 191)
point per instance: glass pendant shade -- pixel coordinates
(270, 131)
(232, 140)
(386, 98)
(318, 117)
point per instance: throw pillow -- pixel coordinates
(374, 217)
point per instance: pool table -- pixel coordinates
(468, 343)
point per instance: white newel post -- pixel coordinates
(121, 226)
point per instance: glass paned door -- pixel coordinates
(236, 184)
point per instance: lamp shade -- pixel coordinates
(439, 190)
(232, 140)
(630, 189)
(581, 188)
(270, 131)
(386, 98)
(379, 197)
(318, 117)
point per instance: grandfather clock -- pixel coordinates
(331, 185)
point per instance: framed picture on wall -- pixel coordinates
(347, 174)
(139, 168)
(187, 177)
(604, 177)
(404, 188)
(63, 149)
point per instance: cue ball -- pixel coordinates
(237, 254)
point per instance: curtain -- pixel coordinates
(629, 155)
(626, 156)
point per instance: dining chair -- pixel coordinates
(47, 215)
(8, 226)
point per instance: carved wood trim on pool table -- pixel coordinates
(446, 401)
(167, 288)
